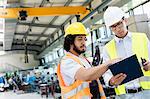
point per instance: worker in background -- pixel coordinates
(2, 83)
(74, 71)
(125, 44)
(52, 87)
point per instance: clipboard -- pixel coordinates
(129, 66)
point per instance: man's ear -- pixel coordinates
(71, 46)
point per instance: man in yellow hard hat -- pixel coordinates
(75, 72)
(125, 44)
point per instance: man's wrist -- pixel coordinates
(108, 65)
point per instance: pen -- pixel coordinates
(143, 61)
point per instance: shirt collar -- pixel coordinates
(127, 36)
(81, 56)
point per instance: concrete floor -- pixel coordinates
(12, 95)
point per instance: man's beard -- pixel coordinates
(78, 51)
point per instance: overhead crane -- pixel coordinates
(43, 11)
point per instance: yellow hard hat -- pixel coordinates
(76, 28)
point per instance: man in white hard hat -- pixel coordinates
(125, 44)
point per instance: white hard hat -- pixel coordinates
(113, 15)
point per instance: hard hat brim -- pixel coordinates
(77, 34)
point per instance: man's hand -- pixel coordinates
(117, 79)
(146, 66)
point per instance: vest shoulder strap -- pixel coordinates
(111, 49)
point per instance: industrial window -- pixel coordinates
(46, 59)
(88, 38)
(61, 52)
(50, 58)
(138, 10)
(146, 9)
(102, 32)
(55, 55)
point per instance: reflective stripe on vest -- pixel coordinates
(140, 48)
(79, 89)
(73, 92)
(101, 91)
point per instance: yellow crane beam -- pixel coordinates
(43, 11)
(85, 14)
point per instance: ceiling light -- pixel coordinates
(23, 15)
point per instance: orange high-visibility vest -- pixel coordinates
(79, 89)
